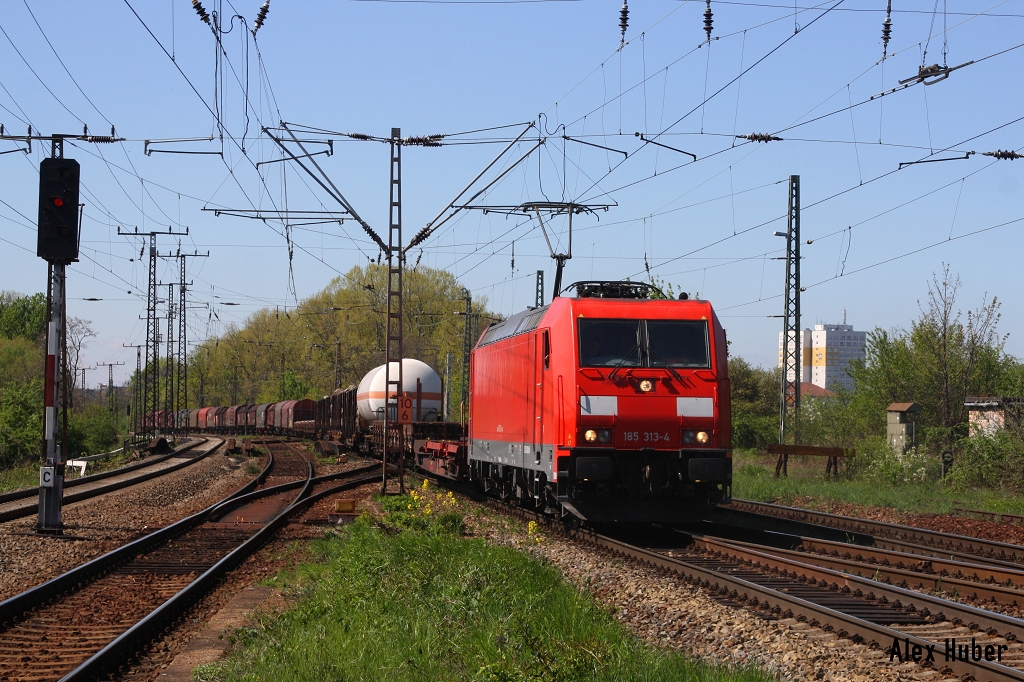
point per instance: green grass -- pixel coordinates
(19, 477)
(27, 475)
(390, 602)
(754, 479)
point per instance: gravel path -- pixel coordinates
(666, 612)
(111, 520)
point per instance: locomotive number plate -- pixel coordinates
(648, 438)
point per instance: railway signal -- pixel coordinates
(58, 210)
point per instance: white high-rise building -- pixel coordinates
(826, 353)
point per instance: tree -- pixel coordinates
(755, 404)
(79, 331)
(22, 316)
(336, 335)
(940, 361)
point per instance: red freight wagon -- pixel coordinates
(613, 405)
(271, 422)
(229, 416)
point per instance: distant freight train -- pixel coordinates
(608, 406)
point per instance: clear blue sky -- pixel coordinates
(364, 67)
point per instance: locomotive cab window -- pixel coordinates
(644, 343)
(609, 343)
(678, 343)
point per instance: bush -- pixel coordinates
(752, 431)
(878, 462)
(21, 423)
(995, 461)
(90, 431)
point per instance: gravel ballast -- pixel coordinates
(111, 520)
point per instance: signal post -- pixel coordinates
(58, 245)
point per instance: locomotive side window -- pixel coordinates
(678, 343)
(610, 343)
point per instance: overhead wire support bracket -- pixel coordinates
(149, 152)
(279, 214)
(599, 146)
(935, 73)
(648, 140)
(332, 190)
(966, 156)
(434, 224)
(57, 139)
(326, 152)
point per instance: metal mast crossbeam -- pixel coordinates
(792, 365)
(394, 341)
(111, 395)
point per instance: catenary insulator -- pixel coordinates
(201, 11)
(424, 141)
(708, 21)
(760, 137)
(624, 21)
(261, 16)
(886, 29)
(1004, 155)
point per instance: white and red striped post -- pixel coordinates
(51, 474)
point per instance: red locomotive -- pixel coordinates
(609, 406)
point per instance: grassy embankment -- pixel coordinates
(413, 599)
(27, 475)
(754, 479)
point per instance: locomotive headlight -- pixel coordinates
(702, 437)
(646, 386)
(590, 435)
(604, 436)
(688, 437)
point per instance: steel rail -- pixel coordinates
(792, 562)
(24, 493)
(149, 628)
(919, 536)
(32, 508)
(939, 566)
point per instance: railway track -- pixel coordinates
(877, 533)
(762, 580)
(92, 620)
(21, 503)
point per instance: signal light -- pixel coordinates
(58, 210)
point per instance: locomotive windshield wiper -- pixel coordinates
(618, 366)
(654, 356)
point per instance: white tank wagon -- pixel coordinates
(419, 382)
